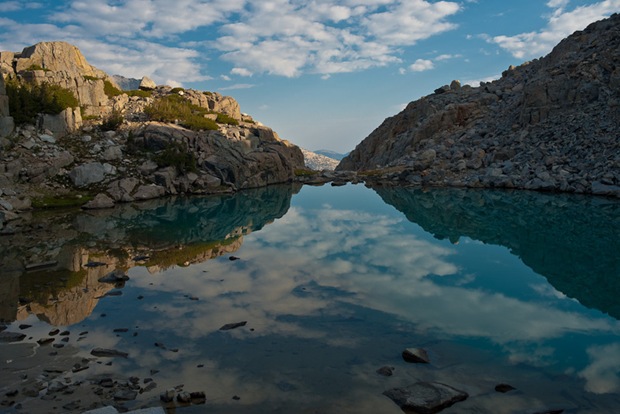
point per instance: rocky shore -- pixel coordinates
(111, 149)
(551, 125)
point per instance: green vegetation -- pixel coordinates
(225, 119)
(175, 108)
(40, 285)
(176, 155)
(112, 122)
(90, 117)
(179, 256)
(110, 90)
(90, 78)
(140, 93)
(66, 201)
(208, 93)
(28, 100)
(300, 172)
(36, 67)
(177, 90)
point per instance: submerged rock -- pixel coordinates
(386, 371)
(426, 397)
(504, 388)
(111, 353)
(230, 326)
(416, 355)
(11, 336)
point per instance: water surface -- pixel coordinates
(499, 287)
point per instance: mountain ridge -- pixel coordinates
(551, 124)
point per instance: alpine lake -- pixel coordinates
(290, 299)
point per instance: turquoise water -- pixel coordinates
(334, 282)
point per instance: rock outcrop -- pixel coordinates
(62, 64)
(120, 154)
(6, 121)
(550, 124)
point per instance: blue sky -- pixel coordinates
(323, 74)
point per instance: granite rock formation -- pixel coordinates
(117, 152)
(318, 162)
(6, 121)
(550, 124)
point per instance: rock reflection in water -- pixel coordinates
(574, 241)
(53, 271)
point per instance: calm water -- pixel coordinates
(499, 287)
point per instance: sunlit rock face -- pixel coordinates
(549, 124)
(63, 64)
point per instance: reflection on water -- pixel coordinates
(53, 271)
(573, 241)
(336, 287)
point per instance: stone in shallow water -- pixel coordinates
(11, 336)
(101, 352)
(426, 397)
(125, 395)
(386, 371)
(416, 355)
(504, 388)
(230, 326)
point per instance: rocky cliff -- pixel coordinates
(123, 149)
(549, 124)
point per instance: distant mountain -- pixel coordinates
(331, 154)
(126, 84)
(318, 162)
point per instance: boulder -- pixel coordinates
(426, 397)
(66, 122)
(147, 192)
(86, 174)
(100, 201)
(147, 83)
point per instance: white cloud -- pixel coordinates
(561, 23)
(238, 86)
(289, 38)
(280, 37)
(422, 65)
(601, 374)
(9, 6)
(225, 78)
(241, 72)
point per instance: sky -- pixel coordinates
(323, 74)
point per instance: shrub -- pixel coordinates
(140, 92)
(36, 67)
(176, 155)
(112, 122)
(90, 78)
(225, 119)
(28, 100)
(177, 90)
(175, 108)
(110, 90)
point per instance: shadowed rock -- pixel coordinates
(426, 397)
